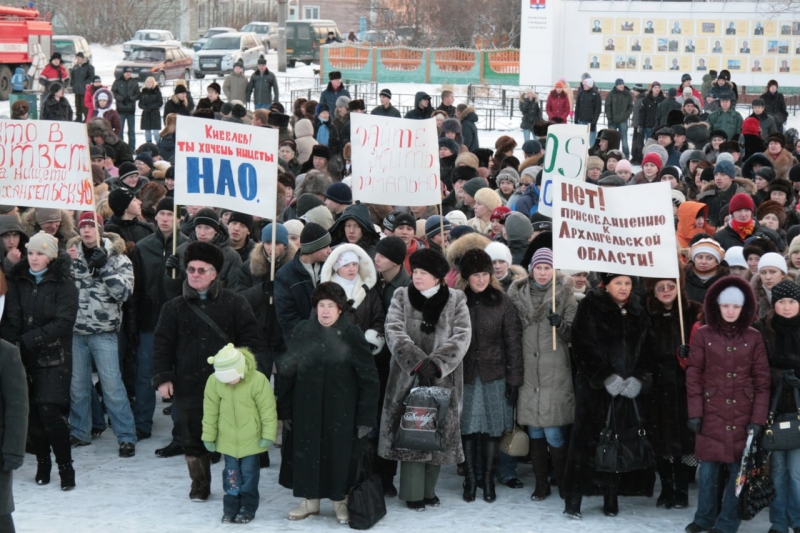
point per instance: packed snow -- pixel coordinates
(147, 493)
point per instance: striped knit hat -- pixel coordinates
(542, 256)
(229, 364)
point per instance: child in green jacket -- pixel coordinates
(239, 421)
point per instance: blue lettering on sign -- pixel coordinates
(222, 183)
(547, 193)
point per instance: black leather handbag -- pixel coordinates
(782, 432)
(624, 450)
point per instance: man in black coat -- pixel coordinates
(386, 109)
(149, 296)
(13, 426)
(126, 93)
(447, 104)
(296, 281)
(263, 86)
(80, 75)
(125, 221)
(588, 105)
(422, 107)
(192, 328)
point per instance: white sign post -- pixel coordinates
(395, 161)
(227, 165)
(624, 230)
(565, 156)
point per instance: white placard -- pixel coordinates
(567, 147)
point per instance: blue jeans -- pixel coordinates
(646, 133)
(102, 349)
(240, 484)
(592, 134)
(785, 509)
(622, 128)
(145, 404)
(554, 435)
(527, 135)
(261, 106)
(506, 467)
(149, 135)
(130, 119)
(98, 416)
(707, 506)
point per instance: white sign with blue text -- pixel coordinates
(226, 165)
(565, 156)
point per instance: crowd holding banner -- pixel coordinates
(420, 305)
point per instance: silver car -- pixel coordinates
(222, 51)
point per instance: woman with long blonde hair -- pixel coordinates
(150, 103)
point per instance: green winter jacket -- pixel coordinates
(619, 105)
(730, 122)
(235, 417)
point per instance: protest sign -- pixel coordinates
(395, 161)
(227, 165)
(565, 156)
(625, 230)
(45, 164)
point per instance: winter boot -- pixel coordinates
(538, 454)
(263, 460)
(666, 473)
(610, 501)
(170, 450)
(304, 510)
(572, 506)
(489, 449)
(470, 483)
(559, 458)
(682, 472)
(45, 464)
(67, 474)
(340, 508)
(200, 472)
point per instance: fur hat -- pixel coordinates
(777, 137)
(343, 101)
(334, 75)
(206, 252)
(595, 162)
(508, 174)
(504, 144)
(774, 208)
(278, 120)
(488, 198)
(356, 105)
(239, 111)
(758, 247)
(467, 159)
(498, 251)
(320, 150)
(392, 248)
(44, 243)
(329, 290)
(313, 238)
(729, 147)
(674, 117)
(657, 149)
(467, 173)
(475, 261)
(450, 144)
(315, 182)
(451, 125)
(781, 185)
(431, 262)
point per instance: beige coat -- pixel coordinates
(304, 139)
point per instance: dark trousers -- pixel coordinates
(48, 429)
(190, 429)
(7, 524)
(81, 111)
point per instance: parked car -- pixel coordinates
(68, 46)
(163, 62)
(147, 38)
(198, 44)
(219, 54)
(304, 37)
(376, 37)
(266, 31)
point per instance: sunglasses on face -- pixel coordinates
(201, 270)
(666, 288)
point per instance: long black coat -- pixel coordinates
(648, 113)
(606, 340)
(293, 289)
(588, 105)
(782, 337)
(668, 406)
(150, 102)
(40, 318)
(328, 386)
(13, 416)
(183, 342)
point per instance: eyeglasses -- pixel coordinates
(202, 271)
(666, 288)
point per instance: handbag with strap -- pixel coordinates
(207, 319)
(516, 442)
(365, 502)
(758, 491)
(782, 432)
(624, 450)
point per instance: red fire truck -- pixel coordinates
(20, 30)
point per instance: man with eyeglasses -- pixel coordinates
(192, 328)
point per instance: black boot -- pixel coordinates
(170, 450)
(610, 501)
(538, 454)
(572, 506)
(666, 473)
(67, 474)
(470, 482)
(489, 449)
(681, 470)
(200, 472)
(559, 457)
(45, 464)
(263, 460)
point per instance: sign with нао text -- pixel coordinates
(625, 230)
(45, 164)
(565, 156)
(226, 165)
(395, 160)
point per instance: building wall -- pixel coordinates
(346, 13)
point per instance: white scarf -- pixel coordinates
(430, 292)
(349, 286)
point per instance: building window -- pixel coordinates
(310, 12)
(202, 22)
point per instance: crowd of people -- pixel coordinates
(366, 302)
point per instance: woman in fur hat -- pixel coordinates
(714, 379)
(546, 398)
(55, 106)
(613, 354)
(428, 331)
(673, 443)
(212, 99)
(492, 371)
(328, 400)
(150, 102)
(782, 192)
(781, 158)
(486, 201)
(530, 110)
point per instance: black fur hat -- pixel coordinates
(475, 261)
(206, 252)
(431, 262)
(331, 291)
(783, 186)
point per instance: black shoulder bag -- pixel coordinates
(207, 319)
(623, 450)
(782, 432)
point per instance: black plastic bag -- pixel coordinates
(422, 426)
(757, 490)
(365, 502)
